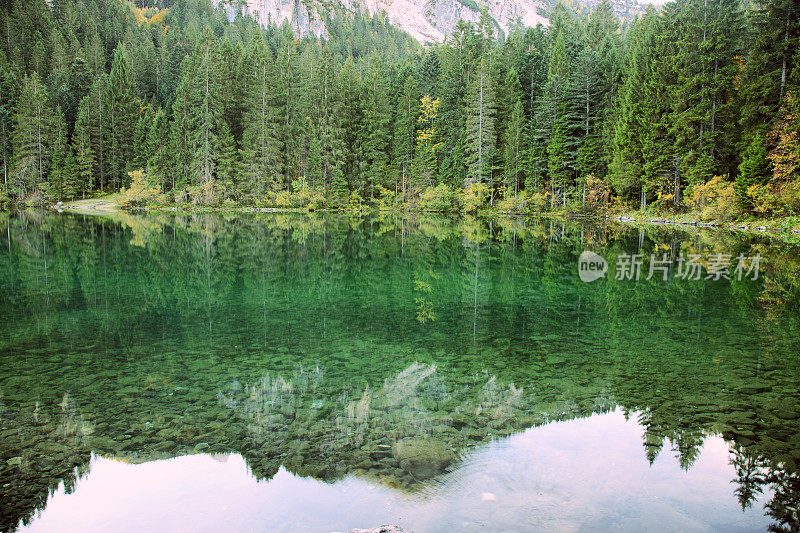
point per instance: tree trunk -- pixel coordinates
(785, 45)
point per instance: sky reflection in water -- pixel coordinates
(551, 478)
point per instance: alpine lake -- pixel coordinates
(315, 373)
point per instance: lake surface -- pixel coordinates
(284, 372)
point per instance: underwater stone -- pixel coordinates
(423, 458)
(201, 447)
(165, 446)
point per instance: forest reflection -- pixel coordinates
(384, 347)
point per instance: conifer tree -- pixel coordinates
(289, 102)
(452, 123)
(480, 132)
(755, 168)
(772, 39)
(404, 131)
(514, 149)
(348, 93)
(642, 143)
(60, 180)
(84, 161)
(32, 141)
(95, 108)
(204, 113)
(226, 162)
(122, 114)
(549, 107)
(157, 146)
(141, 150)
(261, 143)
(329, 140)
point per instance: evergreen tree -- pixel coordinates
(771, 42)
(642, 144)
(261, 144)
(329, 140)
(404, 131)
(80, 81)
(549, 107)
(289, 103)
(429, 71)
(755, 169)
(179, 159)
(514, 149)
(556, 161)
(452, 123)
(8, 96)
(204, 112)
(95, 108)
(377, 114)
(480, 133)
(141, 150)
(226, 163)
(84, 160)
(32, 139)
(585, 102)
(157, 148)
(348, 94)
(60, 180)
(122, 114)
(513, 132)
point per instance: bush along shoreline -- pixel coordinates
(701, 210)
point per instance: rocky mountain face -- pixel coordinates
(424, 20)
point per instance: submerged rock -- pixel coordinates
(423, 458)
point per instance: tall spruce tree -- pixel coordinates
(122, 114)
(204, 113)
(480, 132)
(405, 121)
(377, 116)
(513, 134)
(32, 140)
(262, 151)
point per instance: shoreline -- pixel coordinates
(105, 206)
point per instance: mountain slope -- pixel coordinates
(424, 20)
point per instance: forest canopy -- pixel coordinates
(693, 106)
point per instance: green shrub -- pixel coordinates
(714, 200)
(439, 199)
(475, 197)
(385, 199)
(776, 199)
(140, 193)
(302, 196)
(355, 203)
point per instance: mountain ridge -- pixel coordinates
(427, 21)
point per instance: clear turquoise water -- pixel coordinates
(320, 373)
